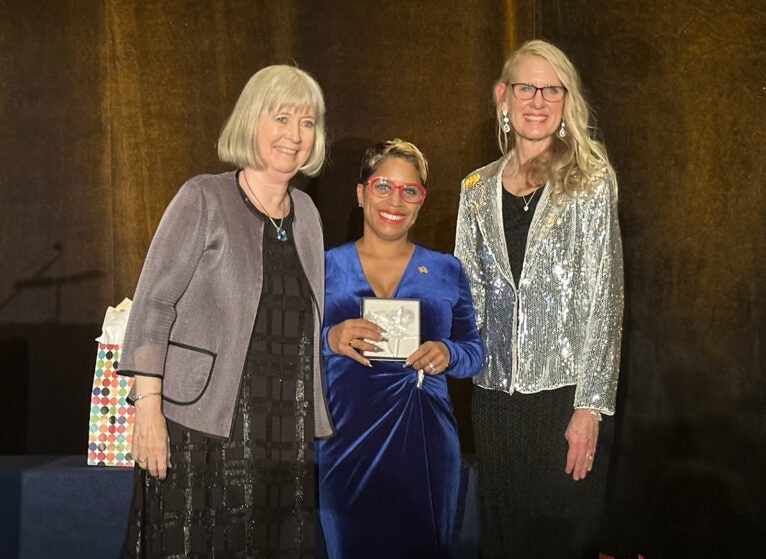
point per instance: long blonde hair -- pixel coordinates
(574, 163)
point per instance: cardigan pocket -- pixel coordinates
(188, 370)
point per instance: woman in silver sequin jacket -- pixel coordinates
(539, 238)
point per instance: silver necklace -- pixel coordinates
(526, 202)
(281, 233)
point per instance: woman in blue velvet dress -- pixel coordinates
(389, 479)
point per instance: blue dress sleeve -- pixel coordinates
(326, 351)
(464, 343)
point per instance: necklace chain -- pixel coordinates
(508, 174)
(281, 233)
(526, 202)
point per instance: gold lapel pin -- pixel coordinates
(471, 180)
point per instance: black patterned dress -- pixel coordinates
(253, 494)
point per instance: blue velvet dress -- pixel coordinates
(389, 478)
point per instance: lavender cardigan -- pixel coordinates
(197, 297)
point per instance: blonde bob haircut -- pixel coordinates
(270, 89)
(574, 163)
(402, 149)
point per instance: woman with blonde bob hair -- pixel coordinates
(265, 92)
(539, 238)
(223, 343)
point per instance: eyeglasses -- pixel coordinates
(525, 91)
(411, 192)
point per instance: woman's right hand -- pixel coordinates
(348, 338)
(151, 445)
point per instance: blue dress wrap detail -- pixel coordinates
(389, 478)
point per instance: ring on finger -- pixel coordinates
(589, 456)
(431, 366)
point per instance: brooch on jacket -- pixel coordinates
(471, 180)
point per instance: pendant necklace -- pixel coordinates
(526, 202)
(508, 175)
(281, 233)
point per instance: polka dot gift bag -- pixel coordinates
(111, 417)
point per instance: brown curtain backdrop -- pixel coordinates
(418, 71)
(175, 71)
(680, 93)
(107, 106)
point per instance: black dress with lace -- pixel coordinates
(253, 494)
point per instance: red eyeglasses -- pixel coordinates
(383, 187)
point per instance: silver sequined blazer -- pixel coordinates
(562, 324)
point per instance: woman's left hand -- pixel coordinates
(431, 357)
(582, 436)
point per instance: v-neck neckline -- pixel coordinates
(399, 281)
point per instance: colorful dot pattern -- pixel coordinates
(111, 417)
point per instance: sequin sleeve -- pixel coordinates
(598, 366)
(467, 248)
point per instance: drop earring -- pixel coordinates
(563, 130)
(506, 122)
